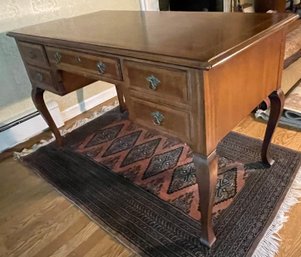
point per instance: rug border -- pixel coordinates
(136, 250)
(268, 224)
(113, 234)
(282, 200)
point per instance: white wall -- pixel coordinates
(14, 84)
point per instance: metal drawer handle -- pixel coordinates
(158, 118)
(57, 57)
(39, 76)
(153, 82)
(101, 67)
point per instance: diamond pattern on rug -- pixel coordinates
(141, 152)
(162, 162)
(161, 165)
(183, 176)
(105, 135)
(226, 187)
(122, 143)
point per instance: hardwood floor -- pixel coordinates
(36, 221)
(290, 245)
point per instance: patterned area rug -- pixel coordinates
(161, 165)
(141, 187)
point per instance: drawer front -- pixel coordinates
(97, 65)
(33, 54)
(161, 118)
(42, 78)
(167, 83)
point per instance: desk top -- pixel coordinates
(203, 39)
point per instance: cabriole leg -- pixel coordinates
(277, 102)
(38, 100)
(206, 176)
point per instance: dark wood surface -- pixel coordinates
(202, 38)
(277, 103)
(190, 75)
(206, 176)
(82, 62)
(169, 81)
(239, 84)
(38, 100)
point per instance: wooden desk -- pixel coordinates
(190, 75)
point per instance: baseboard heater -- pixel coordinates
(33, 124)
(18, 121)
(28, 126)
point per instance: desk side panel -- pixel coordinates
(235, 87)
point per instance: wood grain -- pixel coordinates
(141, 34)
(221, 58)
(290, 234)
(85, 63)
(234, 88)
(36, 221)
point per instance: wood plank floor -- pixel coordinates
(291, 232)
(36, 221)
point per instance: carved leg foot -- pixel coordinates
(277, 101)
(120, 97)
(38, 100)
(206, 176)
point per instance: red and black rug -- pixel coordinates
(142, 185)
(161, 165)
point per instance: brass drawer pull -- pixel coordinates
(39, 77)
(57, 57)
(153, 82)
(158, 118)
(101, 67)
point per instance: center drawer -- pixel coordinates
(97, 65)
(167, 83)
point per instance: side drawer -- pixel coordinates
(43, 79)
(161, 118)
(97, 65)
(33, 54)
(168, 83)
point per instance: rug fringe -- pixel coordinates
(77, 124)
(270, 243)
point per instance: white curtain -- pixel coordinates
(149, 5)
